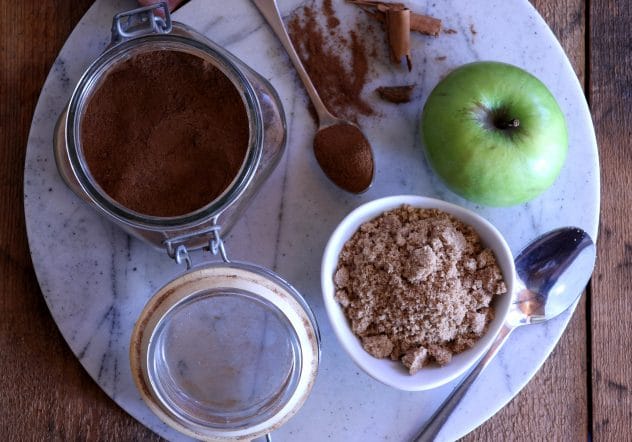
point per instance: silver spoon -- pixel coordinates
(341, 149)
(552, 272)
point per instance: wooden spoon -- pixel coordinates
(341, 149)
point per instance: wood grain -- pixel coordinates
(610, 94)
(44, 392)
(46, 395)
(555, 402)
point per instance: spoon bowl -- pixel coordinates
(551, 273)
(544, 268)
(344, 154)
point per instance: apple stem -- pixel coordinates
(511, 124)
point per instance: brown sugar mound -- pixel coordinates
(417, 285)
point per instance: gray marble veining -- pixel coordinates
(96, 279)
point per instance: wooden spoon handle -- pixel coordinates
(270, 12)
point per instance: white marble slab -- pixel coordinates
(96, 279)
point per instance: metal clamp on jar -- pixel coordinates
(226, 351)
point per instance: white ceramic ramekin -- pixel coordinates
(391, 372)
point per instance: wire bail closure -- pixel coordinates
(141, 21)
(177, 249)
(216, 244)
(182, 255)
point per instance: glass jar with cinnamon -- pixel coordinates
(170, 136)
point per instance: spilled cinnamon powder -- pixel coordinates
(337, 64)
(328, 10)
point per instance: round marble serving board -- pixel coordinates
(96, 279)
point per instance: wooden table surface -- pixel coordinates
(583, 390)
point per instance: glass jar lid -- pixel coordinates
(225, 352)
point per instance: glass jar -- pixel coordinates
(225, 351)
(141, 31)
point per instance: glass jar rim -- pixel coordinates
(191, 288)
(112, 57)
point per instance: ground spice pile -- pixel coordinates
(345, 156)
(165, 133)
(337, 63)
(417, 285)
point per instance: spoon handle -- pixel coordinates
(270, 12)
(434, 425)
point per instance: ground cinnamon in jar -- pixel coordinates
(165, 133)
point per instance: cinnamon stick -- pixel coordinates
(399, 21)
(396, 94)
(375, 4)
(424, 24)
(398, 29)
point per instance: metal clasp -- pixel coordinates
(141, 21)
(216, 244)
(182, 255)
(177, 249)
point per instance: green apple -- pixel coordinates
(494, 133)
